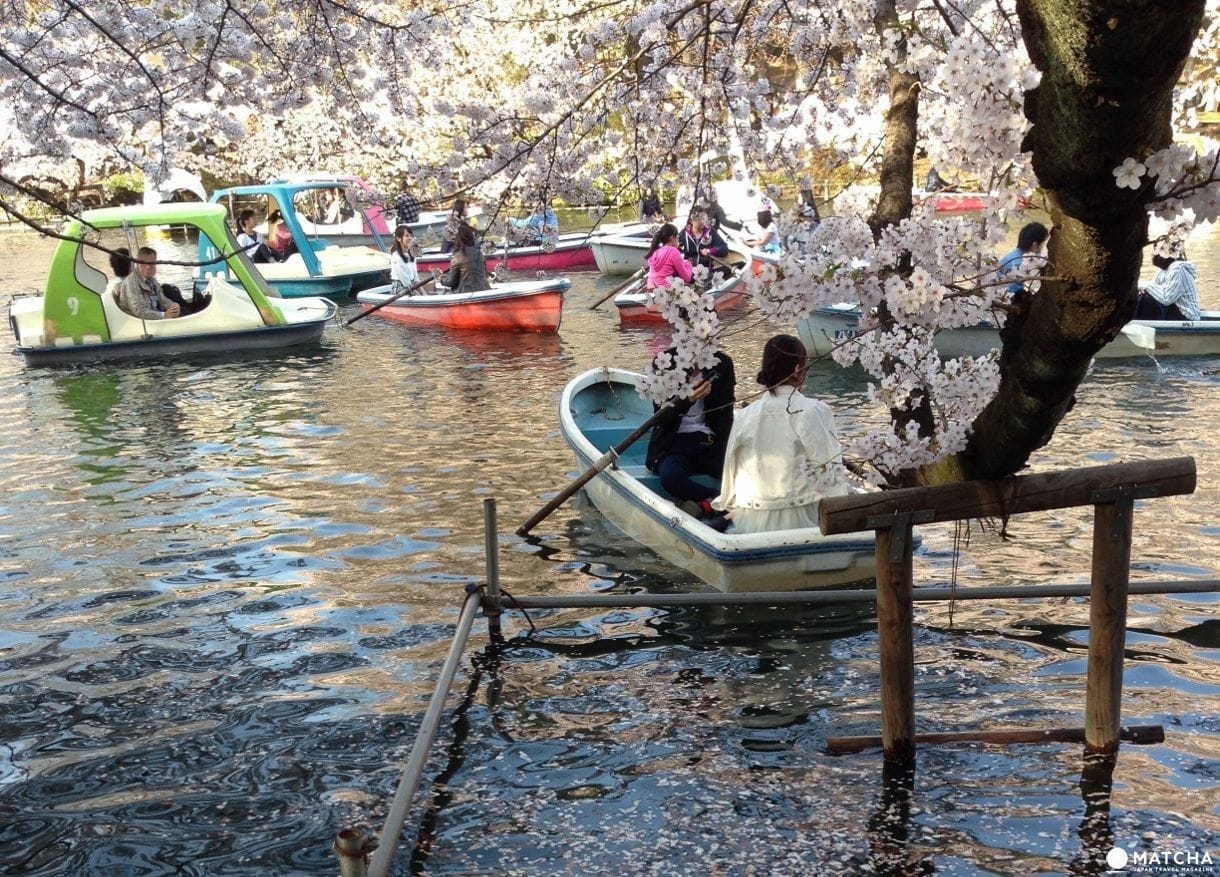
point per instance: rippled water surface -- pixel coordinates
(229, 586)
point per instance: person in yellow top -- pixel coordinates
(783, 454)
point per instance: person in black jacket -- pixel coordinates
(701, 243)
(692, 437)
(716, 215)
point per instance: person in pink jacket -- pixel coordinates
(665, 260)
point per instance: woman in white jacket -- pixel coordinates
(783, 454)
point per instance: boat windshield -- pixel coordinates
(175, 248)
(256, 278)
(329, 206)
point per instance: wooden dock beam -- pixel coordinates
(1142, 735)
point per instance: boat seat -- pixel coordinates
(652, 481)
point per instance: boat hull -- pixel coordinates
(643, 312)
(619, 254)
(210, 343)
(956, 202)
(291, 284)
(822, 330)
(601, 407)
(520, 307)
(562, 258)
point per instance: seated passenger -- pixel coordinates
(1029, 243)
(455, 220)
(1172, 295)
(251, 240)
(650, 206)
(800, 241)
(690, 438)
(768, 236)
(406, 207)
(702, 244)
(279, 237)
(140, 294)
(467, 267)
(934, 182)
(335, 203)
(539, 225)
(120, 264)
(403, 272)
(783, 455)
(664, 260)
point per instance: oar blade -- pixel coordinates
(638, 275)
(1140, 335)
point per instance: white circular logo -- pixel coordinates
(1117, 858)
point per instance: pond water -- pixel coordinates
(229, 586)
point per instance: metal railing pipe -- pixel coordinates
(391, 832)
(862, 595)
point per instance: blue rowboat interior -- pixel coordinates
(601, 408)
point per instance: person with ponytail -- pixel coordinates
(783, 454)
(665, 260)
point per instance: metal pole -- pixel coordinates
(493, 607)
(353, 857)
(863, 595)
(392, 830)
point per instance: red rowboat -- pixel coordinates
(569, 251)
(635, 304)
(523, 306)
(956, 202)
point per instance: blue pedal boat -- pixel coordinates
(319, 267)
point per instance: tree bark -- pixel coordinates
(1108, 73)
(895, 201)
(901, 131)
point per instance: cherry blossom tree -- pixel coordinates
(579, 98)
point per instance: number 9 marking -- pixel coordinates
(74, 305)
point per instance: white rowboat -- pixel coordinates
(600, 408)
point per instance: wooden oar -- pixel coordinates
(602, 462)
(381, 304)
(612, 293)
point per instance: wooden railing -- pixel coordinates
(1111, 490)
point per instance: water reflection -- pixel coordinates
(1095, 832)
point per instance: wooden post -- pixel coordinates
(895, 633)
(1108, 617)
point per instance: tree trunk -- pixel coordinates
(894, 201)
(901, 124)
(1108, 72)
